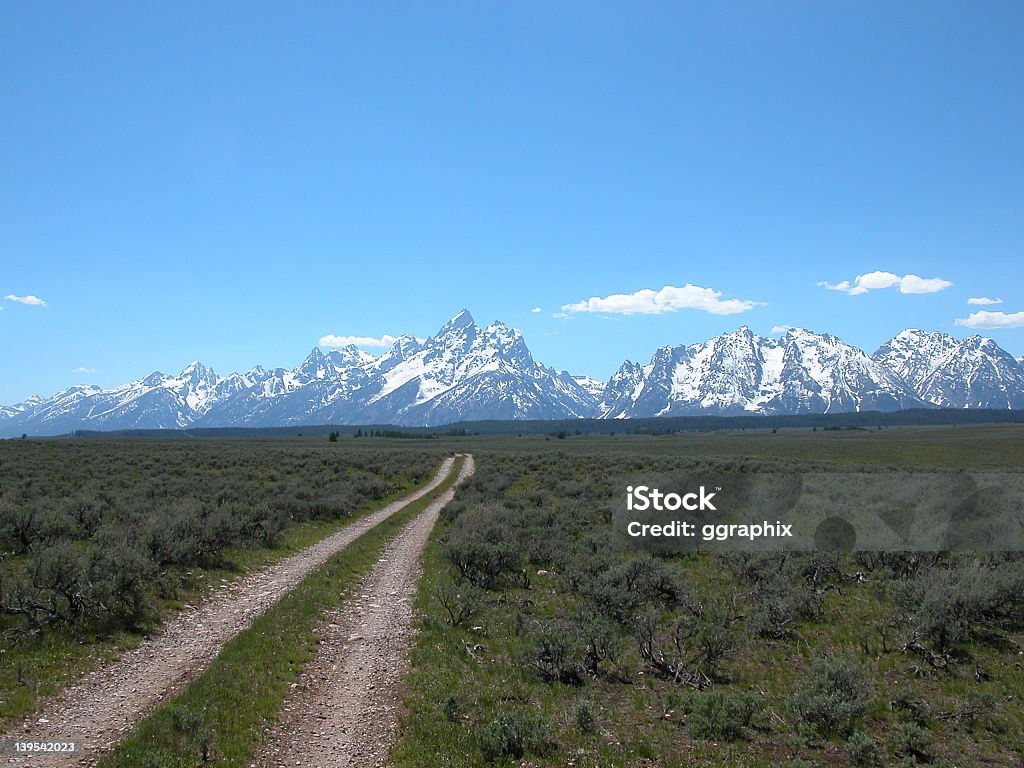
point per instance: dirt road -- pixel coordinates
(344, 711)
(99, 708)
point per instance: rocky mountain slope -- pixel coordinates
(467, 372)
(740, 372)
(973, 373)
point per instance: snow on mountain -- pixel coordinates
(404, 347)
(973, 373)
(914, 354)
(740, 372)
(10, 411)
(592, 386)
(465, 372)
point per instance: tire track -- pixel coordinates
(99, 708)
(344, 711)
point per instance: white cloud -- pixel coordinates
(915, 284)
(83, 369)
(843, 286)
(668, 299)
(983, 301)
(781, 328)
(873, 281)
(32, 301)
(536, 309)
(986, 319)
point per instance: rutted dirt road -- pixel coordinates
(344, 711)
(99, 708)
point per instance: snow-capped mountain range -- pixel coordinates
(466, 372)
(973, 373)
(740, 372)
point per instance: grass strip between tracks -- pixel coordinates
(219, 718)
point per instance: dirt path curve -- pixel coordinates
(344, 711)
(99, 708)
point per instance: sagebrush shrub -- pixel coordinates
(514, 734)
(555, 650)
(460, 602)
(482, 549)
(720, 714)
(912, 740)
(862, 750)
(832, 697)
(584, 715)
(949, 606)
(90, 532)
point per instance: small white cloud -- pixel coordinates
(843, 286)
(915, 284)
(536, 309)
(983, 301)
(986, 319)
(781, 328)
(873, 281)
(669, 299)
(83, 369)
(330, 340)
(29, 299)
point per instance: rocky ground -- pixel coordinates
(344, 710)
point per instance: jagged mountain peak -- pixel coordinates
(504, 337)
(349, 356)
(982, 343)
(194, 377)
(741, 372)
(462, 320)
(315, 366)
(404, 346)
(195, 367)
(468, 372)
(805, 334)
(593, 386)
(913, 334)
(405, 341)
(973, 373)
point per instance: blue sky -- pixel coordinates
(231, 182)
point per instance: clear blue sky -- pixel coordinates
(233, 181)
